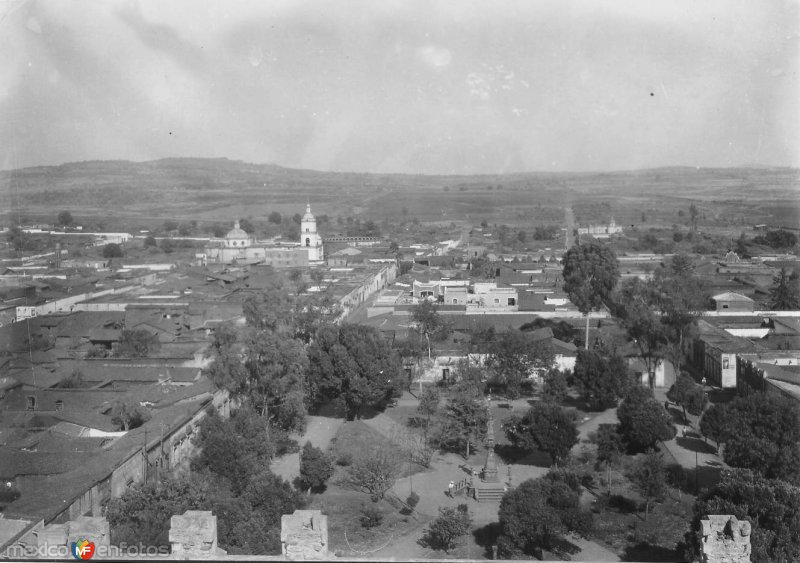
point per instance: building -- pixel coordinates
(734, 302)
(239, 248)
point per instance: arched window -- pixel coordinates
(308, 242)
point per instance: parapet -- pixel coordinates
(304, 535)
(725, 540)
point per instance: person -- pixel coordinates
(450, 487)
(666, 405)
(703, 382)
(684, 432)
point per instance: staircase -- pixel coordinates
(489, 492)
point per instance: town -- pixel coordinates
(315, 387)
(400, 281)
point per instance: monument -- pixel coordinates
(489, 489)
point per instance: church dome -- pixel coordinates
(237, 233)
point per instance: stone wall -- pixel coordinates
(193, 535)
(304, 535)
(725, 540)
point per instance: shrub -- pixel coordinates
(371, 517)
(412, 500)
(344, 459)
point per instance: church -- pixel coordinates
(239, 248)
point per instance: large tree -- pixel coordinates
(681, 299)
(642, 420)
(515, 355)
(65, 218)
(636, 305)
(688, 394)
(271, 309)
(785, 295)
(771, 506)
(137, 343)
(463, 421)
(354, 365)
(233, 449)
(760, 432)
(601, 380)
(545, 427)
(375, 471)
(536, 513)
(451, 524)
(590, 274)
(429, 323)
(315, 468)
(650, 478)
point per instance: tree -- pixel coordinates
(128, 415)
(275, 217)
(636, 306)
(451, 524)
(376, 471)
(762, 432)
(247, 226)
(536, 513)
(544, 427)
(785, 295)
(609, 448)
(642, 420)
(688, 394)
(112, 250)
(693, 214)
(167, 246)
(234, 449)
(650, 477)
(65, 218)
(149, 241)
(170, 225)
(354, 365)
(464, 420)
(602, 381)
(428, 404)
(590, 274)
(271, 309)
(429, 323)
(275, 381)
(771, 506)
(555, 387)
(515, 355)
(142, 514)
(681, 298)
(137, 343)
(315, 468)
(714, 423)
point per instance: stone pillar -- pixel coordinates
(725, 540)
(194, 535)
(92, 529)
(304, 535)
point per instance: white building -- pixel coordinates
(309, 237)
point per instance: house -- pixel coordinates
(733, 302)
(714, 352)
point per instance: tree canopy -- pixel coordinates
(112, 250)
(463, 421)
(545, 427)
(760, 432)
(688, 394)
(771, 506)
(785, 294)
(429, 323)
(601, 380)
(590, 274)
(137, 343)
(354, 365)
(315, 468)
(643, 422)
(536, 513)
(65, 218)
(451, 524)
(515, 355)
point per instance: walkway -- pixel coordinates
(319, 431)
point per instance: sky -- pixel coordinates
(431, 87)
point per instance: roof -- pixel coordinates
(723, 340)
(730, 296)
(237, 233)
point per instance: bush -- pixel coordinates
(623, 503)
(344, 459)
(9, 494)
(412, 500)
(371, 517)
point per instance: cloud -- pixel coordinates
(435, 57)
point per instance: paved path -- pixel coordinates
(319, 431)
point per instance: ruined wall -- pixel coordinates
(725, 540)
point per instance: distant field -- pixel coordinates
(223, 190)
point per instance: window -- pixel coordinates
(59, 405)
(31, 403)
(308, 242)
(725, 363)
(724, 305)
(306, 229)
(445, 373)
(512, 301)
(496, 301)
(455, 301)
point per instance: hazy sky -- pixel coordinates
(380, 86)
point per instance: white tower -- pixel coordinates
(309, 237)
